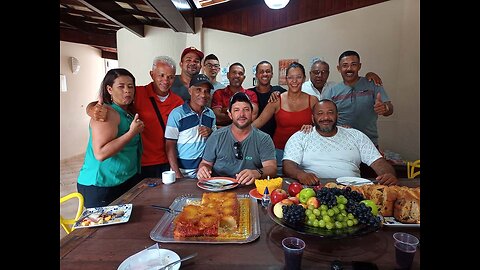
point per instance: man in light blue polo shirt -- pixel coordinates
(359, 101)
(188, 128)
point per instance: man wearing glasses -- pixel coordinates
(239, 150)
(211, 67)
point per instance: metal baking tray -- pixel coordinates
(248, 229)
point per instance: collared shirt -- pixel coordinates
(309, 88)
(182, 126)
(221, 97)
(179, 88)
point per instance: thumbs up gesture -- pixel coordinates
(379, 107)
(137, 125)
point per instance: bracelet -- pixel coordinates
(260, 171)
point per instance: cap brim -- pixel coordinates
(199, 83)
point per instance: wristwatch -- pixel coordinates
(260, 171)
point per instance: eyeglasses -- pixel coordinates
(212, 66)
(238, 150)
(319, 72)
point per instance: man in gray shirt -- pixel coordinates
(190, 64)
(239, 150)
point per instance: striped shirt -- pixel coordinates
(182, 126)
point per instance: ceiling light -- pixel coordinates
(276, 4)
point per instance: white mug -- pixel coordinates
(168, 177)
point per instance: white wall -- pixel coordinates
(136, 54)
(82, 89)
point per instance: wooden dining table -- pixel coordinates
(107, 246)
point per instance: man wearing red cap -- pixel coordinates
(190, 63)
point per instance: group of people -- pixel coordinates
(194, 125)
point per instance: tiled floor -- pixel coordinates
(69, 169)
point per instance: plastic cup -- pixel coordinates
(168, 177)
(293, 250)
(405, 248)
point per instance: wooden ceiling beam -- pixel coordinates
(79, 23)
(100, 40)
(121, 17)
(179, 17)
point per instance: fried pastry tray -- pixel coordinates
(248, 227)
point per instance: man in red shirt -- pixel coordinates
(153, 97)
(221, 97)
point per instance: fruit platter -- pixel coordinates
(325, 212)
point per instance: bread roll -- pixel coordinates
(407, 210)
(383, 196)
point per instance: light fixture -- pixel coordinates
(276, 4)
(75, 65)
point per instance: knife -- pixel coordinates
(215, 184)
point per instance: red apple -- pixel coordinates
(295, 200)
(278, 195)
(286, 202)
(294, 188)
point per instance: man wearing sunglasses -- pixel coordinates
(239, 150)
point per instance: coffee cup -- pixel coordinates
(168, 177)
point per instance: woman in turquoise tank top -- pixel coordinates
(112, 158)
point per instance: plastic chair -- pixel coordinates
(68, 223)
(411, 166)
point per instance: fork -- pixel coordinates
(168, 209)
(177, 261)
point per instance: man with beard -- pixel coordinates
(188, 128)
(190, 63)
(239, 150)
(332, 151)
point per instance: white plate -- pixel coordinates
(218, 180)
(353, 181)
(150, 259)
(92, 214)
(392, 222)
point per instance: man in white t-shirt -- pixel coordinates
(331, 151)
